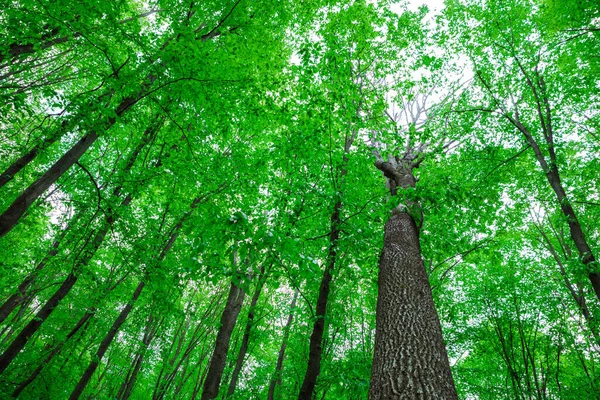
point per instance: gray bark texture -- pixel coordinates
(410, 360)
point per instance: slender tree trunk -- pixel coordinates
(87, 375)
(201, 377)
(24, 312)
(551, 171)
(246, 338)
(15, 50)
(23, 337)
(87, 252)
(15, 211)
(577, 235)
(276, 378)
(576, 294)
(167, 366)
(82, 321)
(17, 298)
(149, 333)
(11, 216)
(219, 357)
(13, 169)
(164, 380)
(575, 229)
(316, 338)
(410, 360)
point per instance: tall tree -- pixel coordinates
(410, 358)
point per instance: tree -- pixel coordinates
(159, 160)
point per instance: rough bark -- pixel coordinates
(410, 360)
(219, 357)
(316, 338)
(106, 342)
(81, 323)
(246, 338)
(276, 378)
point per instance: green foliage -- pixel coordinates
(228, 133)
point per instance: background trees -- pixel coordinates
(156, 156)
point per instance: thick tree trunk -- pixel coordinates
(82, 321)
(276, 378)
(23, 337)
(114, 329)
(316, 338)
(410, 360)
(219, 357)
(246, 338)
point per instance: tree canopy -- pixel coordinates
(194, 198)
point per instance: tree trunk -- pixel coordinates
(128, 384)
(82, 321)
(276, 378)
(552, 174)
(15, 50)
(316, 338)
(13, 169)
(87, 252)
(246, 338)
(89, 249)
(219, 357)
(576, 294)
(11, 216)
(114, 329)
(17, 298)
(17, 345)
(15, 211)
(165, 379)
(410, 360)
(577, 235)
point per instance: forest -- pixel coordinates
(280, 199)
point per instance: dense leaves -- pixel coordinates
(156, 157)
